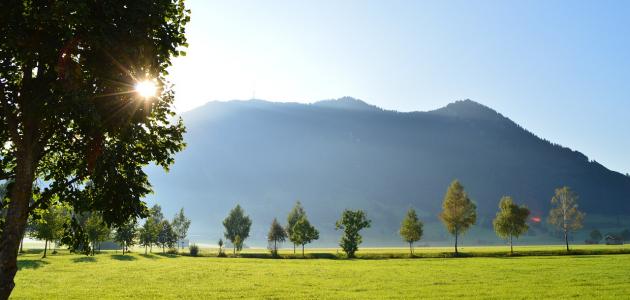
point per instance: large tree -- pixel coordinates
(294, 215)
(564, 213)
(411, 228)
(303, 232)
(237, 226)
(180, 225)
(276, 235)
(458, 211)
(511, 220)
(68, 113)
(352, 222)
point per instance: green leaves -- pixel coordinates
(411, 227)
(458, 211)
(511, 219)
(237, 226)
(351, 223)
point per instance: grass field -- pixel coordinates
(113, 276)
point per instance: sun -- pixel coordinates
(146, 88)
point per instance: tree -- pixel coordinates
(166, 235)
(276, 234)
(303, 232)
(220, 243)
(511, 220)
(237, 226)
(294, 215)
(625, 235)
(126, 235)
(351, 223)
(180, 225)
(68, 113)
(458, 211)
(96, 230)
(147, 234)
(564, 213)
(596, 236)
(411, 229)
(49, 225)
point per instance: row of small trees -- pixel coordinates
(458, 216)
(52, 222)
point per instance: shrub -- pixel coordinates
(194, 250)
(171, 251)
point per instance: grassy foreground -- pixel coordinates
(114, 276)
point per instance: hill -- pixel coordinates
(345, 153)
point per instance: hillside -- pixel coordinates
(346, 153)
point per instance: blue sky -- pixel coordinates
(559, 68)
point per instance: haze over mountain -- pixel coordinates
(345, 153)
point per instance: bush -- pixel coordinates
(194, 250)
(171, 251)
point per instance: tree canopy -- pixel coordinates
(352, 222)
(276, 235)
(237, 226)
(294, 215)
(68, 112)
(511, 220)
(564, 214)
(411, 228)
(303, 232)
(459, 213)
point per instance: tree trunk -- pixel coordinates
(410, 249)
(566, 239)
(302, 250)
(234, 250)
(22, 245)
(145, 249)
(123, 247)
(456, 242)
(15, 221)
(293, 248)
(45, 248)
(511, 246)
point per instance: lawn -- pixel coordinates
(114, 276)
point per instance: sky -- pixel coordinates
(561, 69)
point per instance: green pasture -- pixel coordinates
(111, 275)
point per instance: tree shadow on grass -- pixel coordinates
(150, 256)
(84, 259)
(123, 257)
(31, 263)
(168, 255)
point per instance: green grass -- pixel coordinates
(113, 276)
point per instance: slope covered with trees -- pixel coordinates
(344, 153)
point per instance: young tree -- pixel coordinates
(276, 234)
(411, 229)
(49, 225)
(596, 236)
(220, 243)
(303, 232)
(96, 230)
(148, 234)
(68, 113)
(511, 220)
(351, 223)
(166, 236)
(564, 213)
(237, 226)
(126, 235)
(458, 211)
(180, 225)
(294, 215)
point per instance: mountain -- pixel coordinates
(345, 153)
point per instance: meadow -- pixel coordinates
(535, 274)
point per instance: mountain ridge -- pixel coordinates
(350, 154)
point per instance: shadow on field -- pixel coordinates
(32, 251)
(168, 255)
(31, 264)
(150, 256)
(123, 257)
(84, 259)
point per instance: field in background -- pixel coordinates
(112, 276)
